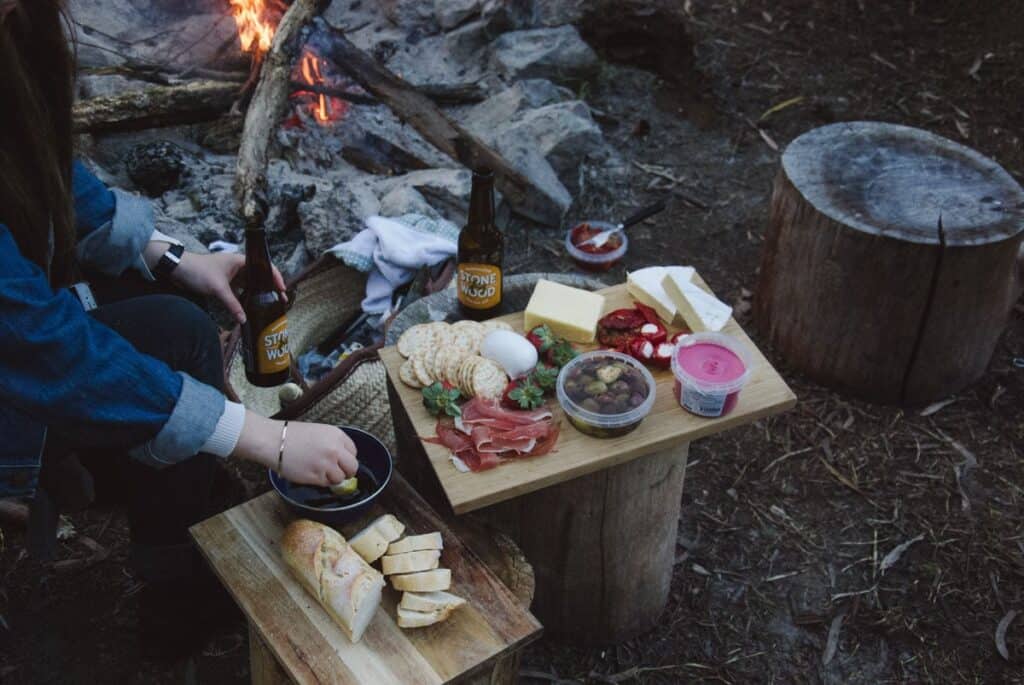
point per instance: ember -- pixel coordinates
(313, 70)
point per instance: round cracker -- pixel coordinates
(497, 326)
(441, 361)
(451, 369)
(408, 341)
(466, 374)
(488, 380)
(420, 370)
(408, 376)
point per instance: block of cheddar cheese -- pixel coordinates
(570, 312)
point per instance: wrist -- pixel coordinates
(260, 440)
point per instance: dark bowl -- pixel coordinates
(372, 455)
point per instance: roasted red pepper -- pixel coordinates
(663, 355)
(654, 332)
(641, 349)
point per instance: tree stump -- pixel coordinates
(891, 261)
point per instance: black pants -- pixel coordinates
(161, 504)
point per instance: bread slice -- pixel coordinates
(426, 581)
(388, 526)
(329, 568)
(408, 618)
(416, 543)
(369, 544)
(412, 562)
(430, 601)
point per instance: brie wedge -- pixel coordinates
(701, 310)
(645, 285)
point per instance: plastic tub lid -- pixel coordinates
(591, 257)
(714, 363)
(606, 420)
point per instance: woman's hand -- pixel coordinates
(212, 275)
(314, 454)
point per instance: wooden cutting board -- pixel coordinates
(576, 454)
(242, 546)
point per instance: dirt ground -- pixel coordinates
(788, 561)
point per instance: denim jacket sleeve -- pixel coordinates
(113, 226)
(62, 367)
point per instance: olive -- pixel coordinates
(586, 379)
(595, 388)
(620, 386)
(572, 386)
(590, 404)
(636, 399)
(609, 374)
(621, 406)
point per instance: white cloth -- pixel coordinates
(394, 251)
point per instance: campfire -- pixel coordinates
(256, 20)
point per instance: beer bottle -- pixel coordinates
(481, 249)
(265, 333)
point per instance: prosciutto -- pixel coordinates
(487, 434)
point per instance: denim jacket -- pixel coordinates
(61, 368)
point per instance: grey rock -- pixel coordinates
(446, 190)
(507, 15)
(551, 200)
(558, 54)
(563, 133)
(561, 12)
(179, 230)
(335, 214)
(406, 200)
(298, 260)
(430, 61)
(410, 14)
(451, 13)
(467, 43)
(488, 118)
(157, 167)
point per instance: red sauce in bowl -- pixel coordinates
(584, 232)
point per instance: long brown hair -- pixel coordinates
(36, 89)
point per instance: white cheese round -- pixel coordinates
(511, 351)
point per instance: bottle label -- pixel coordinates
(271, 348)
(479, 285)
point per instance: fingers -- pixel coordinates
(230, 301)
(335, 474)
(279, 284)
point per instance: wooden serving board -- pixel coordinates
(576, 454)
(242, 546)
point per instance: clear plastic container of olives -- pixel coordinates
(605, 394)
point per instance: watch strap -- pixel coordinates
(169, 261)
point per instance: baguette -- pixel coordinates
(426, 581)
(346, 586)
(388, 526)
(369, 544)
(416, 543)
(411, 562)
(429, 602)
(407, 618)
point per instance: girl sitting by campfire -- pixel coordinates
(124, 387)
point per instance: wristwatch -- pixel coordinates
(169, 261)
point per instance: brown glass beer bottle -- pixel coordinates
(265, 333)
(481, 250)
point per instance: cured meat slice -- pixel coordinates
(480, 408)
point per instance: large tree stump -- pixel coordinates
(890, 262)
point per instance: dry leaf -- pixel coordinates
(1001, 629)
(832, 644)
(890, 559)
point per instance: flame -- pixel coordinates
(324, 108)
(254, 29)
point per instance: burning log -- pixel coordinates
(266, 109)
(419, 111)
(173, 105)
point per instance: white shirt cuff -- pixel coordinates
(224, 438)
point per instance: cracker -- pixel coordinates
(440, 369)
(454, 363)
(497, 326)
(420, 370)
(408, 341)
(466, 374)
(488, 380)
(408, 376)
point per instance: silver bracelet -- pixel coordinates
(280, 454)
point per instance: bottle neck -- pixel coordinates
(257, 258)
(481, 200)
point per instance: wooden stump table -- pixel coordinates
(891, 261)
(293, 640)
(597, 519)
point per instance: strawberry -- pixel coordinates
(523, 395)
(561, 354)
(542, 337)
(545, 377)
(442, 398)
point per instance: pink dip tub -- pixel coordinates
(710, 370)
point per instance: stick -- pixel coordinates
(354, 98)
(266, 109)
(417, 110)
(174, 105)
